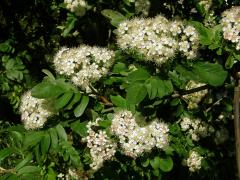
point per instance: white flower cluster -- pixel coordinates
(158, 39)
(76, 6)
(33, 112)
(101, 147)
(134, 139)
(84, 64)
(194, 98)
(196, 128)
(231, 25)
(194, 161)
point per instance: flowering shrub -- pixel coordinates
(127, 89)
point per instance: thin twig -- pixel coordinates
(214, 104)
(108, 110)
(190, 91)
(94, 90)
(102, 98)
(105, 101)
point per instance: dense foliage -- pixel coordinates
(128, 89)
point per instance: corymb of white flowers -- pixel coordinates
(158, 39)
(194, 161)
(84, 64)
(33, 112)
(101, 147)
(231, 25)
(76, 6)
(196, 128)
(134, 139)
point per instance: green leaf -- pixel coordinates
(32, 139)
(119, 101)
(105, 123)
(146, 163)
(29, 170)
(237, 56)
(61, 132)
(138, 75)
(45, 143)
(37, 154)
(46, 90)
(155, 163)
(152, 87)
(112, 80)
(189, 141)
(187, 73)
(136, 93)
(119, 68)
(17, 137)
(111, 14)
(69, 153)
(30, 175)
(10, 64)
(63, 100)
(48, 73)
(213, 74)
(79, 110)
(9, 176)
(51, 175)
(115, 16)
(217, 39)
(175, 102)
(5, 153)
(230, 61)
(166, 164)
(71, 21)
(164, 88)
(156, 173)
(25, 161)
(5, 47)
(80, 128)
(76, 98)
(168, 150)
(206, 35)
(54, 138)
(161, 87)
